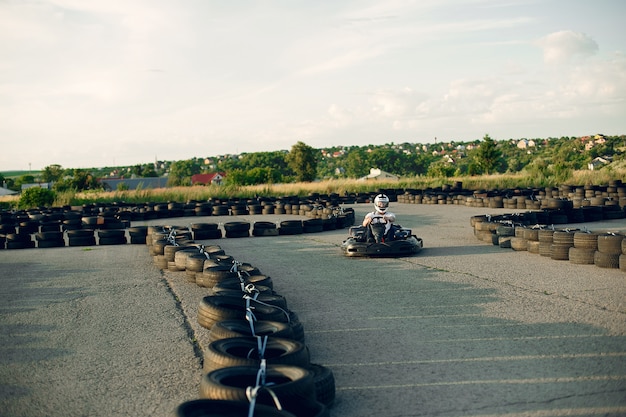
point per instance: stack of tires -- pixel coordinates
(583, 247)
(256, 357)
(264, 228)
(609, 250)
(51, 239)
(255, 337)
(562, 241)
(204, 231)
(81, 237)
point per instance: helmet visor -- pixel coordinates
(382, 204)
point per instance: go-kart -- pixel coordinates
(371, 241)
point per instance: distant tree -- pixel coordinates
(181, 172)
(386, 159)
(302, 159)
(36, 197)
(356, 163)
(440, 169)
(275, 160)
(77, 180)
(254, 176)
(23, 179)
(52, 173)
(488, 156)
(148, 171)
(421, 162)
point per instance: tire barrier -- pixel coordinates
(597, 201)
(111, 225)
(220, 408)
(256, 359)
(520, 232)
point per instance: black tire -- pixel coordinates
(313, 226)
(58, 243)
(324, 381)
(240, 285)
(112, 233)
(622, 262)
(545, 248)
(217, 308)
(533, 246)
(221, 408)
(264, 225)
(505, 241)
(52, 235)
(195, 262)
(214, 251)
(243, 351)
(271, 299)
(19, 237)
(504, 230)
(239, 328)
(606, 260)
(236, 226)
(137, 240)
(563, 237)
(221, 211)
(610, 243)
(80, 233)
(560, 252)
(292, 385)
(204, 226)
(248, 270)
(169, 251)
(583, 240)
(284, 230)
(138, 234)
(180, 257)
(545, 235)
(519, 243)
(20, 244)
(82, 241)
(207, 234)
(256, 280)
(237, 234)
(112, 240)
(213, 274)
(265, 232)
(581, 256)
(296, 327)
(263, 228)
(329, 223)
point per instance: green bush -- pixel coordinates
(36, 197)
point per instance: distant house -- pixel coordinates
(6, 191)
(377, 174)
(599, 162)
(525, 143)
(46, 185)
(205, 179)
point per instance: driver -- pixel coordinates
(380, 216)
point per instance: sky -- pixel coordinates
(95, 83)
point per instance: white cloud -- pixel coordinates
(561, 47)
(181, 79)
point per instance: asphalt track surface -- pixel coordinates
(462, 329)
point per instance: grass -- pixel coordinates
(340, 186)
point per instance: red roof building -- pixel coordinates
(206, 179)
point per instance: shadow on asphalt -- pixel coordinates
(459, 250)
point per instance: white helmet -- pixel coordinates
(381, 202)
